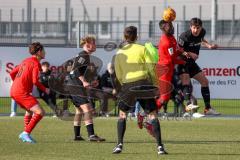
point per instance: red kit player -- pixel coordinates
(24, 76)
(168, 57)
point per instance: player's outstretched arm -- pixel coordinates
(208, 45)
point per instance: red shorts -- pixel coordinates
(25, 101)
(165, 75)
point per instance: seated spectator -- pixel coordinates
(50, 99)
(107, 84)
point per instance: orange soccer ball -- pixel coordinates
(169, 15)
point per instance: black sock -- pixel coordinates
(77, 131)
(121, 127)
(164, 104)
(206, 96)
(157, 131)
(90, 129)
(186, 93)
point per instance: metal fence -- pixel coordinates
(49, 27)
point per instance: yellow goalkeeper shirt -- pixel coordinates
(131, 63)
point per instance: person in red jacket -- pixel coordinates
(168, 57)
(24, 76)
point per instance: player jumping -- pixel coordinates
(191, 41)
(168, 57)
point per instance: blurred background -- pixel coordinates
(61, 22)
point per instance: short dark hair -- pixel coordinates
(196, 22)
(45, 63)
(35, 47)
(130, 33)
(161, 24)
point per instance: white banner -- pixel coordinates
(222, 68)
(12, 56)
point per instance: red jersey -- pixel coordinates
(167, 50)
(24, 76)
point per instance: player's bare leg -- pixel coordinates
(77, 124)
(88, 120)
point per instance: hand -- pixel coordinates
(86, 84)
(186, 54)
(193, 55)
(213, 46)
(47, 91)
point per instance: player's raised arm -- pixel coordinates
(208, 45)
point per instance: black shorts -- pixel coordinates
(77, 101)
(142, 91)
(190, 68)
(77, 92)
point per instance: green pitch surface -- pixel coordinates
(202, 139)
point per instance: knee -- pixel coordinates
(204, 83)
(88, 118)
(41, 112)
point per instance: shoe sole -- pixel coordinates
(97, 140)
(117, 152)
(24, 141)
(191, 108)
(162, 153)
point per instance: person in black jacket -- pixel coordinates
(107, 85)
(50, 98)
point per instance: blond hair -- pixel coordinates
(87, 39)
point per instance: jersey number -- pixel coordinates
(20, 71)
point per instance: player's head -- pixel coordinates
(45, 66)
(166, 27)
(195, 26)
(130, 34)
(37, 49)
(88, 43)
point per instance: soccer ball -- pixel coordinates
(169, 15)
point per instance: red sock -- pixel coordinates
(34, 121)
(27, 119)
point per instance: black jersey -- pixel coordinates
(81, 65)
(191, 43)
(44, 77)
